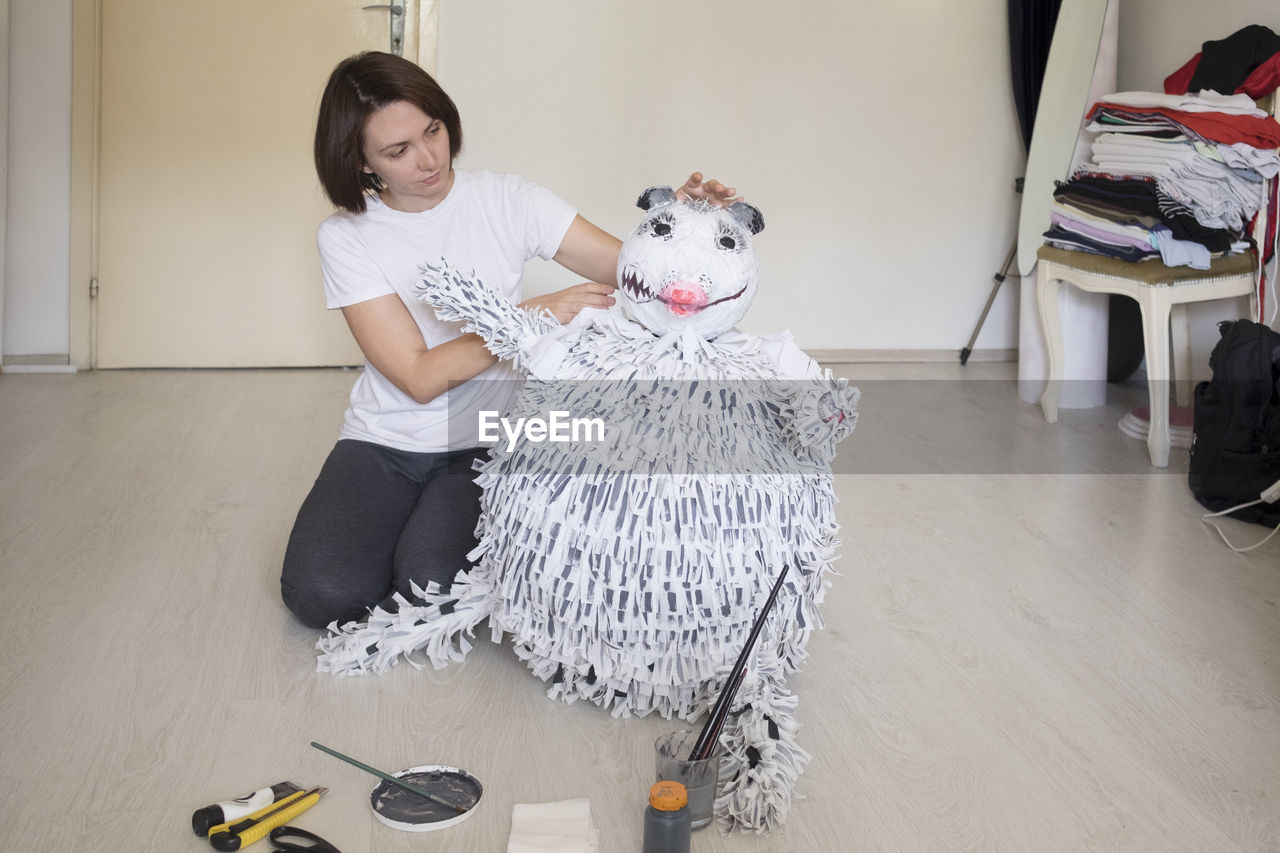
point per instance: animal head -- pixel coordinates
(689, 264)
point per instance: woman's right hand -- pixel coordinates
(712, 192)
(565, 304)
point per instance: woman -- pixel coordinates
(395, 501)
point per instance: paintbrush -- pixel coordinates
(706, 741)
(392, 779)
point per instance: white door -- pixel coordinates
(208, 200)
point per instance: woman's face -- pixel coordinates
(409, 151)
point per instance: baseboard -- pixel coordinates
(907, 356)
(37, 364)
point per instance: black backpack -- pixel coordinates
(1235, 444)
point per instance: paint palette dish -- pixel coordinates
(406, 811)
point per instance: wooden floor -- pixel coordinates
(1034, 644)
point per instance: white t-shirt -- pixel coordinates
(488, 222)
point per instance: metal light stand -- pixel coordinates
(995, 288)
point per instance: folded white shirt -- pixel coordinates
(1151, 143)
(1208, 101)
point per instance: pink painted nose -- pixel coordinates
(683, 298)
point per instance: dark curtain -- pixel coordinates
(1031, 25)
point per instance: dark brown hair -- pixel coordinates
(360, 86)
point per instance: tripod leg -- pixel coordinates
(995, 288)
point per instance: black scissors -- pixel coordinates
(306, 841)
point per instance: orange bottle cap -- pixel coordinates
(668, 796)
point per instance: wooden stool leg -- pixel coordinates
(1050, 324)
(1155, 327)
(1180, 326)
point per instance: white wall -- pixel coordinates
(879, 140)
(37, 238)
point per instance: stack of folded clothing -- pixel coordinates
(1173, 177)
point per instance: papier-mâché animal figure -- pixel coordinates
(628, 566)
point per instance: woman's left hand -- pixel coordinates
(712, 192)
(565, 304)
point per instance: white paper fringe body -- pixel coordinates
(629, 571)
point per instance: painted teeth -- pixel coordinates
(634, 285)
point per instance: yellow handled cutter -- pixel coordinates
(242, 833)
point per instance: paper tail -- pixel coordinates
(439, 623)
(762, 759)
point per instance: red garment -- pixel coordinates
(1218, 127)
(1179, 81)
(1262, 80)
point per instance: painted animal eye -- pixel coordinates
(661, 227)
(729, 240)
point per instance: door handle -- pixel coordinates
(397, 25)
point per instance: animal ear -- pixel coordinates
(655, 197)
(748, 215)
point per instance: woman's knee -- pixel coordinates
(320, 588)
(318, 605)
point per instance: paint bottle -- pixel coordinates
(229, 810)
(666, 819)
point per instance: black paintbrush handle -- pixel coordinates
(706, 739)
(715, 723)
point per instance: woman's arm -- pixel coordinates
(390, 339)
(590, 252)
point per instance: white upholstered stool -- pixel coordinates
(1161, 291)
